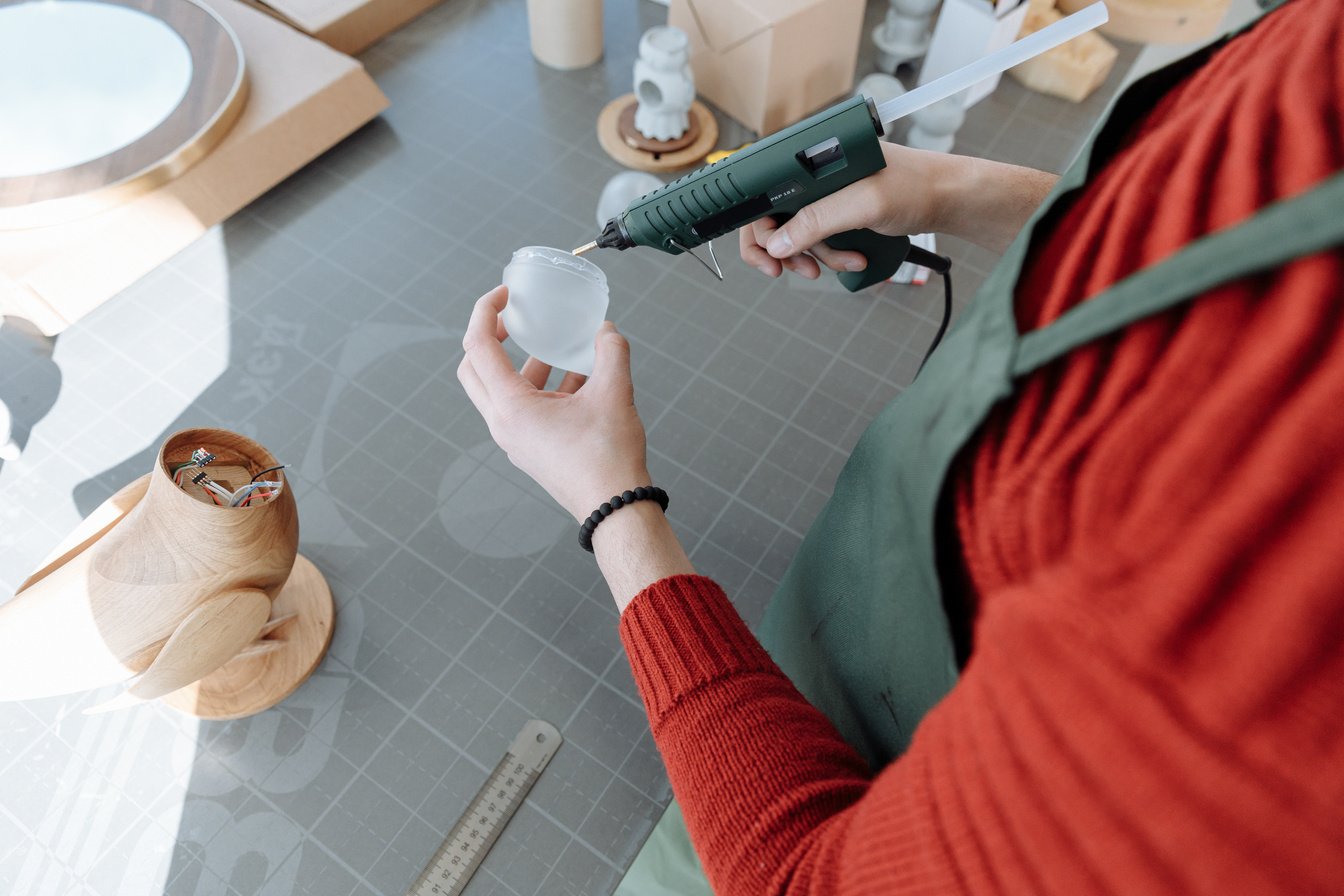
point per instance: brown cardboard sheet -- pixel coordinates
(350, 26)
(304, 98)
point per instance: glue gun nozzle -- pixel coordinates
(586, 247)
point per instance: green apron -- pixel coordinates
(859, 622)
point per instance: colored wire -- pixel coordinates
(219, 494)
(247, 491)
(199, 458)
(217, 489)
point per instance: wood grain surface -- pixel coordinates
(609, 135)
(164, 589)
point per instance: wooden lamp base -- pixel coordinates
(255, 681)
(203, 604)
(674, 157)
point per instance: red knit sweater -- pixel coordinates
(1154, 701)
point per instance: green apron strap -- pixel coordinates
(1301, 225)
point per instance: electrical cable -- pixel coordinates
(947, 316)
(221, 495)
(249, 491)
(269, 470)
(941, 265)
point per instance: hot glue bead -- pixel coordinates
(627, 496)
(606, 509)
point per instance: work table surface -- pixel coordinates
(325, 321)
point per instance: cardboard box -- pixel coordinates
(304, 99)
(350, 26)
(769, 63)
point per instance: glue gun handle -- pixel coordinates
(884, 254)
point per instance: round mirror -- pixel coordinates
(113, 73)
(103, 99)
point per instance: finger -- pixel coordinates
(853, 207)
(500, 332)
(536, 372)
(482, 347)
(837, 259)
(485, 315)
(475, 389)
(571, 383)
(760, 259)
(762, 229)
(753, 251)
(804, 266)
(611, 368)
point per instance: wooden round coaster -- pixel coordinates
(609, 135)
(631, 135)
(250, 684)
(214, 99)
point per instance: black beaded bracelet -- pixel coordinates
(643, 493)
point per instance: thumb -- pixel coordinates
(611, 367)
(814, 222)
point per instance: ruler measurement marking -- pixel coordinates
(471, 838)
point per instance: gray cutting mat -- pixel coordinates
(325, 321)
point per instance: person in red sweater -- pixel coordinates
(1146, 539)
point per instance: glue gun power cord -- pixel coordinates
(942, 266)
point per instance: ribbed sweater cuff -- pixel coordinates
(682, 633)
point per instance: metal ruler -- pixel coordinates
(479, 827)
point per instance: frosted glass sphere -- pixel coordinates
(557, 301)
(621, 190)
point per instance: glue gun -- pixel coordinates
(814, 158)
(776, 176)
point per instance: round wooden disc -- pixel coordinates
(249, 685)
(213, 101)
(609, 135)
(631, 135)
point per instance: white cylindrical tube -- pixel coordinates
(565, 34)
(1001, 60)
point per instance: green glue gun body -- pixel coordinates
(775, 176)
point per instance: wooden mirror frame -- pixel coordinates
(214, 99)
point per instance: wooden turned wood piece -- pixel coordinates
(609, 136)
(1157, 21)
(249, 684)
(633, 138)
(168, 593)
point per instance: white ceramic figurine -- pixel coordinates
(664, 84)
